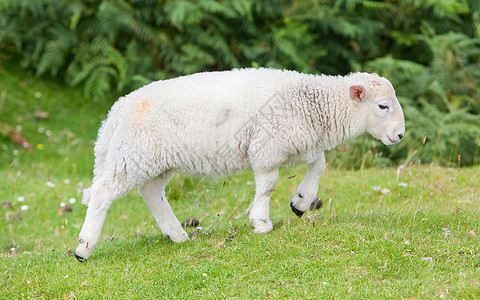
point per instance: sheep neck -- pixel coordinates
(329, 111)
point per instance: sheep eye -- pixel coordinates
(382, 106)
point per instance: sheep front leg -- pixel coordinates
(260, 212)
(307, 190)
(99, 198)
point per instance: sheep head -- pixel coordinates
(379, 107)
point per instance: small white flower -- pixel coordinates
(20, 199)
(48, 133)
(385, 191)
(204, 274)
(72, 200)
(38, 95)
(376, 188)
(50, 184)
(24, 207)
(41, 130)
(16, 152)
(12, 249)
(429, 259)
(66, 181)
(62, 204)
(25, 145)
(402, 184)
(452, 178)
(19, 128)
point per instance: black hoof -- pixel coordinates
(191, 222)
(316, 204)
(79, 258)
(296, 211)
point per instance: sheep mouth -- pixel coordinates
(393, 141)
(387, 140)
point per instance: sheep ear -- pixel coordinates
(357, 93)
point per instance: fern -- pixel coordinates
(104, 69)
(183, 12)
(120, 15)
(56, 51)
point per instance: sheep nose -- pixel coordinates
(400, 135)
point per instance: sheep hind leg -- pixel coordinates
(153, 192)
(99, 199)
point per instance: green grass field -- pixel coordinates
(401, 232)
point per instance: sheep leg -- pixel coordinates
(259, 214)
(153, 193)
(100, 200)
(307, 190)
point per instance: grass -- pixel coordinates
(419, 240)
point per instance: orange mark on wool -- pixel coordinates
(142, 109)
(376, 83)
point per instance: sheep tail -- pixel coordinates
(86, 196)
(101, 149)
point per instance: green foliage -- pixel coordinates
(428, 49)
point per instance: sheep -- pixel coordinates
(216, 123)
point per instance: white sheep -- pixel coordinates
(216, 123)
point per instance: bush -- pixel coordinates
(428, 49)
